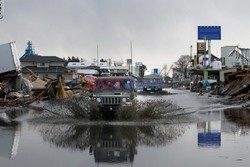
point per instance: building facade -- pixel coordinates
(232, 56)
(45, 66)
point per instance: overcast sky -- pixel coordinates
(161, 30)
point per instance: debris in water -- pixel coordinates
(83, 107)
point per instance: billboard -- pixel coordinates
(210, 139)
(201, 46)
(209, 32)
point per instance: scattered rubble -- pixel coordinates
(238, 86)
(16, 90)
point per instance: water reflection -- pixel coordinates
(9, 137)
(237, 121)
(10, 132)
(110, 144)
(209, 134)
(234, 120)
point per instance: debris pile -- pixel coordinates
(15, 90)
(238, 85)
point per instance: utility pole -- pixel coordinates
(131, 49)
(191, 55)
(97, 56)
(209, 52)
(205, 72)
(1, 8)
(191, 51)
(205, 51)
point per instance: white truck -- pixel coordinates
(9, 58)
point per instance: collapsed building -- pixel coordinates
(13, 85)
(237, 85)
(215, 70)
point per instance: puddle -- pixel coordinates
(208, 137)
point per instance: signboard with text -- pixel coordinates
(209, 32)
(156, 71)
(201, 48)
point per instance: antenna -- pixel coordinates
(131, 48)
(191, 51)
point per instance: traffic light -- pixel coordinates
(1, 8)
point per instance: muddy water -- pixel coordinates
(211, 138)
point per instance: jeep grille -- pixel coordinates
(111, 100)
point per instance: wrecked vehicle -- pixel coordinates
(15, 90)
(112, 92)
(9, 57)
(152, 83)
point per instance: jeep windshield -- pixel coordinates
(114, 84)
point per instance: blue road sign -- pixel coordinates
(155, 71)
(209, 139)
(209, 32)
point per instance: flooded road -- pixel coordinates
(211, 138)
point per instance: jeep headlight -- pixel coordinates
(124, 100)
(98, 100)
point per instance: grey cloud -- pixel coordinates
(161, 30)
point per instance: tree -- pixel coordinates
(142, 70)
(103, 60)
(69, 59)
(182, 64)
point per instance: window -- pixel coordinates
(42, 64)
(223, 61)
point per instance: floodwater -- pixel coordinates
(215, 135)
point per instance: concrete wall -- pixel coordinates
(24, 64)
(229, 61)
(43, 65)
(178, 76)
(57, 64)
(247, 53)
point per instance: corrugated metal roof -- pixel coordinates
(51, 69)
(40, 59)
